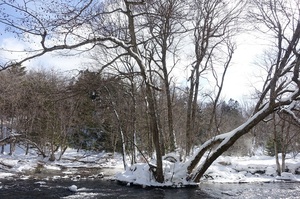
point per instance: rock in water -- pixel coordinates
(73, 188)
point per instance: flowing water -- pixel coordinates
(99, 188)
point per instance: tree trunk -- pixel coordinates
(168, 95)
(2, 135)
(188, 134)
(158, 173)
(162, 140)
(52, 156)
(155, 135)
(27, 149)
(226, 141)
(278, 169)
(63, 150)
(283, 162)
(134, 118)
(172, 145)
(120, 128)
(12, 147)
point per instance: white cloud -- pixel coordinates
(244, 74)
(240, 76)
(15, 51)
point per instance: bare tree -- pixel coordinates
(64, 22)
(281, 86)
(285, 136)
(213, 26)
(166, 25)
(11, 90)
(45, 113)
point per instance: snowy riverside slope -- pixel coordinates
(79, 165)
(226, 169)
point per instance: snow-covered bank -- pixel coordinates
(88, 165)
(226, 169)
(251, 169)
(74, 164)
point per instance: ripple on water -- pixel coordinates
(99, 188)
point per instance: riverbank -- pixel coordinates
(259, 168)
(226, 169)
(76, 165)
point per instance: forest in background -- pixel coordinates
(92, 111)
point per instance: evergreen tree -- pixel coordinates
(270, 148)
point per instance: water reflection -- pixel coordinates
(253, 190)
(98, 188)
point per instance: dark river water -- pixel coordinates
(109, 189)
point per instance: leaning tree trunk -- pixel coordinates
(223, 142)
(262, 110)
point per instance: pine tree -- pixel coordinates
(270, 148)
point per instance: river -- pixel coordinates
(98, 188)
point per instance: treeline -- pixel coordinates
(93, 111)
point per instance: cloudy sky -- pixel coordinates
(244, 74)
(238, 84)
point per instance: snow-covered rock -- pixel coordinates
(137, 174)
(73, 188)
(270, 171)
(40, 182)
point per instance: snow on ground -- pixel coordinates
(74, 164)
(251, 169)
(225, 169)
